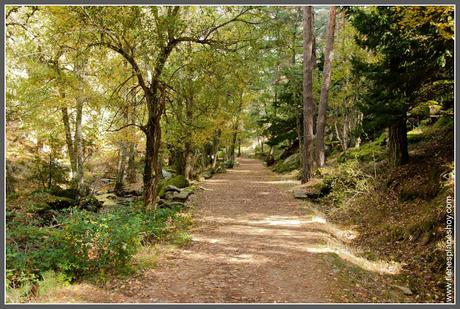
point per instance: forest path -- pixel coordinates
(252, 242)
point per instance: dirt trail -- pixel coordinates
(252, 243)
(248, 246)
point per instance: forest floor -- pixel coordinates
(252, 242)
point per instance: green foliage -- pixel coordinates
(228, 164)
(85, 243)
(369, 152)
(347, 183)
(98, 243)
(289, 164)
(49, 172)
(52, 281)
(415, 61)
(286, 112)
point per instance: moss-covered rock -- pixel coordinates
(90, 203)
(208, 173)
(178, 181)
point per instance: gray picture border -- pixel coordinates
(210, 2)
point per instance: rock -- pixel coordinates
(166, 174)
(171, 188)
(130, 193)
(310, 193)
(300, 195)
(62, 203)
(220, 170)
(404, 289)
(208, 173)
(106, 180)
(182, 195)
(161, 201)
(72, 194)
(169, 195)
(90, 203)
(172, 205)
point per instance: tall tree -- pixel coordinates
(321, 120)
(171, 28)
(308, 105)
(415, 64)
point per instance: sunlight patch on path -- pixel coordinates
(286, 181)
(382, 267)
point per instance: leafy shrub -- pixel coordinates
(51, 281)
(347, 183)
(82, 243)
(97, 243)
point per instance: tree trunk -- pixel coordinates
(321, 121)
(235, 130)
(152, 172)
(346, 127)
(239, 147)
(216, 146)
(233, 144)
(397, 140)
(69, 142)
(337, 132)
(188, 136)
(308, 106)
(188, 171)
(78, 147)
(132, 173)
(121, 166)
(50, 170)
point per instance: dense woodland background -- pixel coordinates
(108, 107)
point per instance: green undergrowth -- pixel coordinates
(83, 244)
(369, 152)
(399, 213)
(289, 164)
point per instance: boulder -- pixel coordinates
(169, 195)
(208, 173)
(72, 194)
(166, 174)
(106, 180)
(161, 201)
(171, 188)
(309, 193)
(176, 181)
(90, 203)
(182, 196)
(220, 170)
